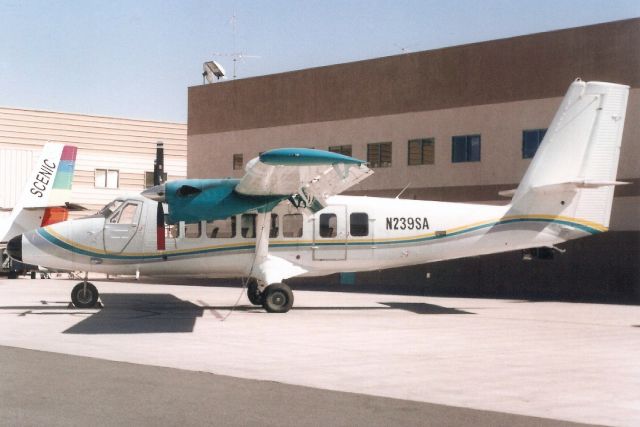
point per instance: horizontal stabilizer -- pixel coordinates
(574, 185)
(507, 193)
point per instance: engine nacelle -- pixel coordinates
(195, 200)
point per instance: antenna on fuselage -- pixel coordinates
(403, 190)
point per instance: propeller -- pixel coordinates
(158, 179)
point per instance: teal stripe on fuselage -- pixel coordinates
(250, 246)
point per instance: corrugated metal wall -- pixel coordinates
(15, 168)
(125, 145)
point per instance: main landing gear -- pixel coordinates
(275, 298)
(85, 295)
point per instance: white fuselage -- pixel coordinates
(350, 234)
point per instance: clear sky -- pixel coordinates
(136, 59)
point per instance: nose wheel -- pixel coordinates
(85, 295)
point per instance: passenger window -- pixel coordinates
(292, 225)
(328, 225)
(171, 230)
(248, 225)
(274, 231)
(359, 224)
(222, 228)
(192, 231)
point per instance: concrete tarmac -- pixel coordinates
(402, 359)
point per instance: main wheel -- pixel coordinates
(278, 298)
(253, 293)
(84, 295)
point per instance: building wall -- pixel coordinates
(120, 144)
(496, 89)
(520, 68)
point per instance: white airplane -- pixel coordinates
(283, 218)
(45, 195)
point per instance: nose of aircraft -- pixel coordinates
(14, 248)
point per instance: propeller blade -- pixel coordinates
(158, 165)
(158, 180)
(160, 239)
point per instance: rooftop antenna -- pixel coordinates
(235, 55)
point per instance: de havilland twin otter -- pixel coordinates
(284, 217)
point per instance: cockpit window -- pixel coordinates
(126, 214)
(110, 208)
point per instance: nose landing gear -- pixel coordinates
(85, 295)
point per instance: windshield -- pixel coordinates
(110, 208)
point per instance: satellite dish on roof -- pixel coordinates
(211, 69)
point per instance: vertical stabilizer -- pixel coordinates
(48, 188)
(573, 173)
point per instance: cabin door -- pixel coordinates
(330, 234)
(121, 226)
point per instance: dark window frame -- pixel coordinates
(379, 162)
(467, 153)
(345, 150)
(359, 232)
(324, 230)
(424, 142)
(529, 152)
(238, 161)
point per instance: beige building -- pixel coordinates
(454, 124)
(114, 156)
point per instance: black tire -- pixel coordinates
(253, 293)
(82, 299)
(278, 298)
(12, 274)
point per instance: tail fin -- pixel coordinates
(573, 173)
(46, 191)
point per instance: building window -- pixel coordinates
(106, 178)
(341, 149)
(359, 224)
(237, 162)
(421, 151)
(222, 228)
(148, 179)
(379, 155)
(465, 148)
(531, 140)
(292, 225)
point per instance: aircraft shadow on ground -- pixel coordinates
(140, 314)
(165, 313)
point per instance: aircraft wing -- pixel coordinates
(309, 176)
